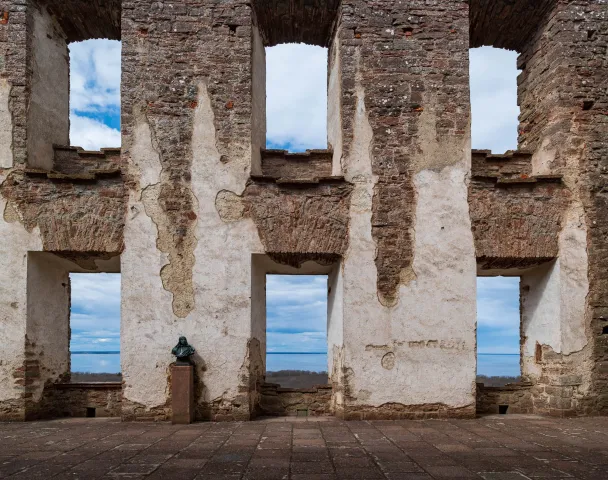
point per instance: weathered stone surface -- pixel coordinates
(281, 402)
(306, 220)
(83, 215)
(517, 222)
(514, 399)
(393, 212)
(280, 164)
(82, 400)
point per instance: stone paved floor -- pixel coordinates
(498, 448)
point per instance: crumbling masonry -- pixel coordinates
(194, 212)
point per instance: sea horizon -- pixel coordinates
(108, 361)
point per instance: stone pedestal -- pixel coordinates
(182, 390)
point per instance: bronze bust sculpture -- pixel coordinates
(183, 352)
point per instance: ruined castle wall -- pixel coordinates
(409, 271)
(258, 100)
(47, 345)
(75, 213)
(48, 116)
(13, 74)
(187, 263)
(15, 242)
(561, 92)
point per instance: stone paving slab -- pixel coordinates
(508, 447)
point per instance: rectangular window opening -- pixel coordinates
(296, 330)
(494, 103)
(94, 97)
(498, 331)
(95, 327)
(296, 97)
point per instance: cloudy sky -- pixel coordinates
(296, 120)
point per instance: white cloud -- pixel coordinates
(296, 115)
(494, 107)
(95, 75)
(95, 317)
(296, 107)
(95, 92)
(92, 134)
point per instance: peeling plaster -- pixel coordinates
(15, 244)
(159, 190)
(230, 206)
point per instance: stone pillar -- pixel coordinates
(409, 272)
(186, 268)
(563, 123)
(182, 394)
(34, 89)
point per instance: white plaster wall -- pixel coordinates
(334, 105)
(335, 316)
(258, 101)
(48, 119)
(48, 316)
(220, 325)
(15, 242)
(554, 297)
(574, 263)
(259, 269)
(147, 319)
(423, 349)
(541, 307)
(6, 126)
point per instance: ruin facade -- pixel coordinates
(398, 211)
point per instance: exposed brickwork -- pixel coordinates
(296, 21)
(13, 67)
(75, 161)
(511, 165)
(73, 399)
(412, 61)
(564, 100)
(396, 411)
(215, 43)
(277, 401)
(307, 220)
(516, 223)
(516, 397)
(85, 215)
(407, 61)
(280, 164)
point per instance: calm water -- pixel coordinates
(490, 365)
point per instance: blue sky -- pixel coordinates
(296, 111)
